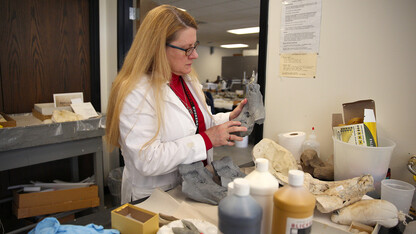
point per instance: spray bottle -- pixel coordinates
(311, 143)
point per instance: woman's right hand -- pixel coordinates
(221, 134)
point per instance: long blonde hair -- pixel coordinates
(147, 55)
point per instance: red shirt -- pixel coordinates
(176, 86)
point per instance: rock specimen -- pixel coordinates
(313, 165)
(280, 159)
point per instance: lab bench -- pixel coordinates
(32, 142)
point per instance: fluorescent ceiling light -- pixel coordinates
(244, 30)
(181, 9)
(234, 46)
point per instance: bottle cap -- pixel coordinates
(241, 187)
(262, 165)
(230, 188)
(296, 178)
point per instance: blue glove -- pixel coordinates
(51, 226)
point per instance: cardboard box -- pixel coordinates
(352, 134)
(48, 108)
(41, 203)
(9, 121)
(40, 116)
(357, 134)
(132, 219)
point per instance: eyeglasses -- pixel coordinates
(188, 51)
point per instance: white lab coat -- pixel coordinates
(176, 143)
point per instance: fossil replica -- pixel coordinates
(330, 195)
(253, 112)
(370, 212)
(198, 184)
(226, 170)
(188, 228)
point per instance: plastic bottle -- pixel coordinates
(263, 185)
(311, 143)
(244, 78)
(239, 212)
(293, 206)
(230, 188)
(253, 77)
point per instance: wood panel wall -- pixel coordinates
(45, 49)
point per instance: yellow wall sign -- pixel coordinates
(298, 65)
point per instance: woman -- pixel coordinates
(156, 111)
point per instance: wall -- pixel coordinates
(236, 67)
(367, 51)
(208, 66)
(108, 66)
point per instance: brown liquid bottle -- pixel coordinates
(293, 206)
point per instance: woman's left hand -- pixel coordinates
(236, 112)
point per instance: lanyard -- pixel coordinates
(192, 109)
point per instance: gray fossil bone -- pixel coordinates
(253, 112)
(198, 184)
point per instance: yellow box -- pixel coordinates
(9, 121)
(353, 134)
(359, 133)
(132, 219)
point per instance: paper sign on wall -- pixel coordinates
(298, 65)
(299, 38)
(300, 26)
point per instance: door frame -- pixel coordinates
(95, 54)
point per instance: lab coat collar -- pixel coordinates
(172, 98)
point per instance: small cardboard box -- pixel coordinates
(40, 203)
(355, 133)
(40, 116)
(9, 121)
(132, 219)
(48, 108)
(352, 134)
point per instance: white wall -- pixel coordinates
(108, 66)
(254, 52)
(208, 66)
(367, 51)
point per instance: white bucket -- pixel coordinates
(243, 143)
(355, 160)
